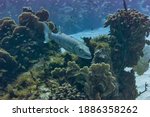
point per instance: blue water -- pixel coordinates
(73, 15)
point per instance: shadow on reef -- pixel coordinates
(31, 69)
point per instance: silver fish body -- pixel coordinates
(68, 43)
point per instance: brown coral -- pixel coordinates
(27, 9)
(128, 30)
(52, 26)
(6, 27)
(43, 15)
(28, 19)
(101, 83)
(127, 87)
(26, 41)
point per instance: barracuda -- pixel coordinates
(67, 42)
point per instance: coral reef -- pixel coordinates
(96, 82)
(127, 86)
(70, 82)
(43, 15)
(99, 48)
(28, 19)
(101, 84)
(31, 69)
(36, 84)
(27, 9)
(7, 26)
(128, 29)
(8, 67)
(25, 41)
(6, 60)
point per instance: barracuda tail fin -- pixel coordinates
(47, 33)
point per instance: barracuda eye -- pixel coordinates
(79, 51)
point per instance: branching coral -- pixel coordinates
(128, 30)
(101, 84)
(96, 82)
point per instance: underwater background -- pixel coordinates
(73, 15)
(115, 31)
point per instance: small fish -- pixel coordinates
(67, 42)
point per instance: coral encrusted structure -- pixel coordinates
(128, 29)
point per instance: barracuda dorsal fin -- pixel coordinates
(79, 40)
